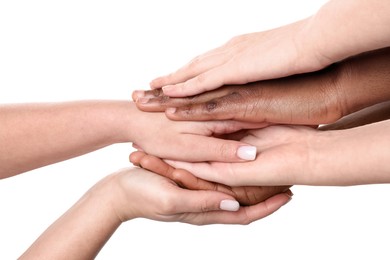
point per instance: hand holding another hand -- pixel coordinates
(246, 196)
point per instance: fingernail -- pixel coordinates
(167, 88)
(247, 152)
(289, 193)
(142, 100)
(229, 205)
(170, 110)
(139, 93)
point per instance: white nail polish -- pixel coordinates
(247, 153)
(229, 205)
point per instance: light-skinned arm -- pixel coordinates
(136, 193)
(35, 135)
(339, 29)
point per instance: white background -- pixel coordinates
(72, 50)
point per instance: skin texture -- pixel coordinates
(131, 193)
(290, 155)
(375, 113)
(338, 30)
(250, 195)
(315, 98)
(32, 135)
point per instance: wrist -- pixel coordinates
(124, 123)
(363, 80)
(114, 185)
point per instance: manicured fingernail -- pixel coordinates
(229, 205)
(170, 110)
(247, 153)
(142, 100)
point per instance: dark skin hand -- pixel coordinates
(246, 196)
(320, 97)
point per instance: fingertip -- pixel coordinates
(156, 83)
(137, 94)
(135, 157)
(247, 152)
(278, 201)
(229, 205)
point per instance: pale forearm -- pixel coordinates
(35, 135)
(82, 231)
(351, 157)
(342, 28)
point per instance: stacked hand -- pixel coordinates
(249, 195)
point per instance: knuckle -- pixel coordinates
(205, 206)
(226, 151)
(200, 79)
(210, 106)
(194, 63)
(167, 204)
(178, 176)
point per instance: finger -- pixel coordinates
(140, 94)
(195, 67)
(135, 157)
(204, 201)
(149, 103)
(233, 106)
(245, 215)
(156, 165)
(250, 195)
(231, 174)
(214, 149)
(187, 180)
(206, 81)
(182, 177)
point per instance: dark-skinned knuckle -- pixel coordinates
(210, 106)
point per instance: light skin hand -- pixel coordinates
(35, 135)
(291, 155)
(340, 29)
(308, 99)
(131, 193)
(157, 135)
(250, 195)
(300, 155)
(235, 62)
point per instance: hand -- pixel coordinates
(249, 195)
(290, 155)
(246, 58)
(304, 46)
(140, 193)
(132, 193)
(188, 141)
(309, 99)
